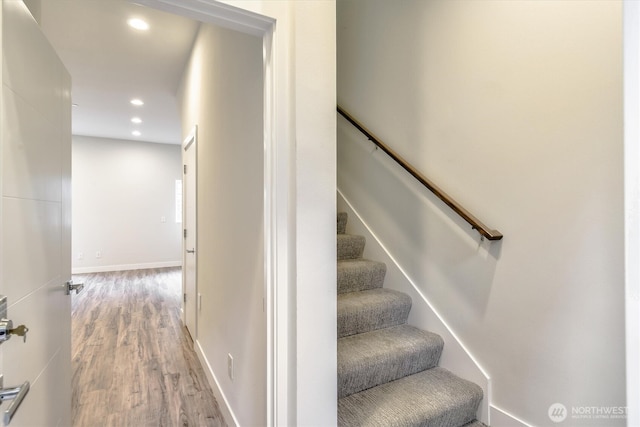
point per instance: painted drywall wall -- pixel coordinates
(124, 205)
(515, 109)
(221, 93)
(301, 101)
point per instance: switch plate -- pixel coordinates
(163, 219)
(199, 301)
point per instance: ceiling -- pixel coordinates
(110, 63)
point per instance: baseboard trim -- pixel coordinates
(501, 418)
(227, 413)
(124, 267)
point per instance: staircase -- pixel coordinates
(388, 372)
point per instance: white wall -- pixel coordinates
(515, 108)
(122, 190)
(221, 92)
(299, 52)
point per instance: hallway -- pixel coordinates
(133, 363)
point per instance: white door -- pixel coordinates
(35, 230)
(189, 224)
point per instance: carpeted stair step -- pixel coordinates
(350, 246)
(342, 222)
(431, 398)
(373, 358)
(366, 311)
(360, 274)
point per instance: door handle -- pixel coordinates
(70, 286)
(16, 395)
(191, 251)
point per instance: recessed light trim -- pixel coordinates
(137, 102)
(136, 133)
(138, 24)
(136, 120)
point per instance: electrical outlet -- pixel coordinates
(230, 365)
(80, 255)
(98, 254)
(163, 219)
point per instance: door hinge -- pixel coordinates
(184, 169)
(184, 297)
(184, 233)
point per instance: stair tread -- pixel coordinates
(360, 274)
(430, 398)
(373, 358)
(364, 311)
(350, 246)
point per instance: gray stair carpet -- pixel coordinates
(373, 358)
(360, 275)
(365, 311)
(434, 398)
(387, 370)
(350, 246)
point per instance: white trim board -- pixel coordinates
(501, 418)
(631, 44)
(225, 408)
(125, 267)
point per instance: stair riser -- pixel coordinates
(357, 322)
(360, 276)
(353, 379)
(350, 246)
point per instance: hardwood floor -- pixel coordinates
(133, 361)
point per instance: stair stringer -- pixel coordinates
(455, 356)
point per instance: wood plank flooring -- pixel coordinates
(133, 361)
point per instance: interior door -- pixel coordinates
(35, 230)
(189, 224)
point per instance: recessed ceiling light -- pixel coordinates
(136, 133)
(136, 120)
(138, 24)
(137, 102)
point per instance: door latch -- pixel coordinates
(70, 286)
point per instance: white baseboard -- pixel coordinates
(227, 413)
(501, 418)
(124, 267)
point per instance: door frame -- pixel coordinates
(631, 54)
(278, 220)
(190, 141)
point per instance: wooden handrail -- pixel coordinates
(476, 224)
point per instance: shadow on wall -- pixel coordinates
(437, 249)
